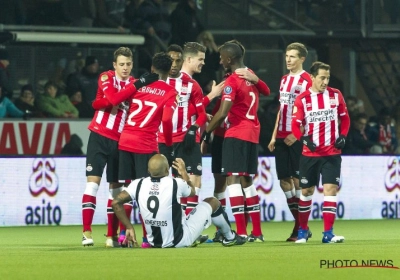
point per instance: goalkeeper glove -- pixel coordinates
(145, 79)
(340, 142)
(190, 138)
(307, 141)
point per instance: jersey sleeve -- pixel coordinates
(169, 109)
(105, 84)
(229, 91)
(184, 189)
(263, 88)
(297, 118)
(131, 189)
(343, 115)
(196, 98)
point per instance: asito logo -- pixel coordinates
(390, 209)
(43, 180)
(392, 178)
(263, 181)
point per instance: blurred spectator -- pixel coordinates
(79, 12)
(267, 114)
(73, 147)
(12, 12)
(7, 108)
(48, 12)
(110, 13)
(152, 18)
(392, 8)
(75, 96)
(86, 82)
(56, 106)
(26, 102)
(4, 74)
(208, 73)
(357, 142)
(355, 106)
(382, 133)
(185, 25)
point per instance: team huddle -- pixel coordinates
(144, 126)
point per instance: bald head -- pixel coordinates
(158, 166)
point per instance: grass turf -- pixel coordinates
(56, 253)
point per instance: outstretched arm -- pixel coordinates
(118, 207)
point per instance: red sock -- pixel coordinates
(329, 214)
(237, 205)
(143, 227)
(184, 203)
(304, 211)
(192, 202)
(112, 226)
(128, 210)
(293, 204)
(88, 208)
(253, 210)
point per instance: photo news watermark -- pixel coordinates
(330, 264)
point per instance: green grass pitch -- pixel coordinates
(56, 253)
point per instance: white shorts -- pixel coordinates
(197, 220)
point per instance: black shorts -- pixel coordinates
(133, 166)
(312, 167)
(192, 159)
(216, 154)
(163, 149)
(287, 159)
(239, 157)
(102, 151)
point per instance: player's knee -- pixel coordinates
(91, 188)
(214, 203)
(286, 184)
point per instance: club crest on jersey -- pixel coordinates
(227, 90)
(332, 101)
(248, 83)
(104, 78)
(184, 89)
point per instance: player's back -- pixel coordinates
(162, 214)
(242, 121)
(145, 114)
(109, 121)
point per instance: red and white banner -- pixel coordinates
(40, 137)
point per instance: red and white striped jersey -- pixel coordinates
(291, 86)
(319, 113)
(189, 92)
(110, 121)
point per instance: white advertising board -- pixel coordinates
(48, 190)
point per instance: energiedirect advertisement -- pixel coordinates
(48, 191)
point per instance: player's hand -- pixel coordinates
(209, 117)
(130, 238)
(290, 139)
(179, 165)
(307, 142)
(190, 138)
(271, 145)
(244, 73)
(340, 142)
(205, 137)
(169, 154)
(145, 79)
(216, 90)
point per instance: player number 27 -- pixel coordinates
(151, 105)
(253, 100)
